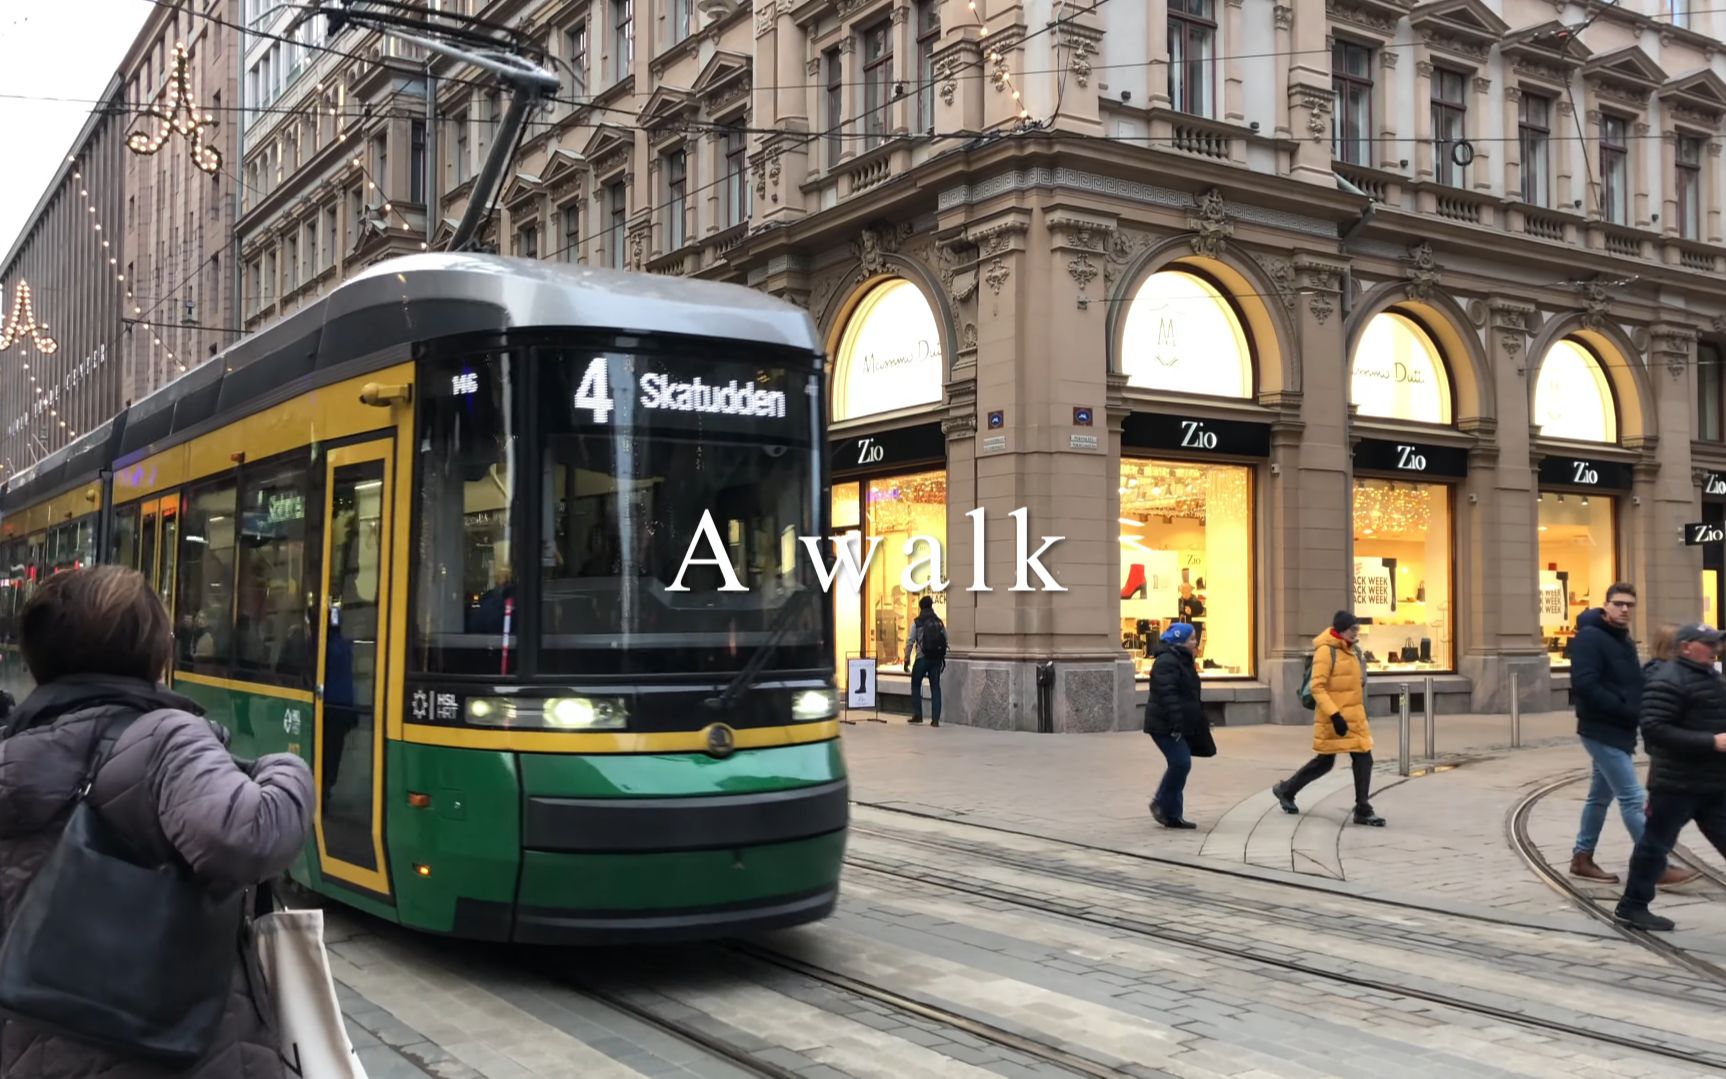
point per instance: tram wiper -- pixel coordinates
(727, 698)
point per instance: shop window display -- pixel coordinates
(1186, 556)
(1398, 373)
(875, 620)
(1578, 560)
(1402, 574)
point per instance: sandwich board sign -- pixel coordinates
(860, 686)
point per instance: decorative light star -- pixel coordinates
(23, 324)
(178, 114)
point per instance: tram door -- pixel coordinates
(350, 691)
(158, 545)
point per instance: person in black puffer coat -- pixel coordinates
(1172, 712)
(1606, 684)
(1684, 724)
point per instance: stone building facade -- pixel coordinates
(181, 200)
(1265, 309)
(60, 305)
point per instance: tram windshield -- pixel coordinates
(645, 455)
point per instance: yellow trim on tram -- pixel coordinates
(320, 415)
(260, 689)
(63, 508)
(606, 742)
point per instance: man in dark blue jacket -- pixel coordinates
(1684, 724)
(1606, 688)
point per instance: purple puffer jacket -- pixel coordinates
(170, 785)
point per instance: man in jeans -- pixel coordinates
(1606, 686)
(1684, 724)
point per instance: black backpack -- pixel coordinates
(935, 641)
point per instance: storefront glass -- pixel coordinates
(1398, 373)
(875, 620)
(1578, 560)
(1182, 335)
(890, 355)
(1572, 399)
(1402, 574)
(1186, 556)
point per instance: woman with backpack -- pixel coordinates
(1337, 697)
(928, 642)
(100, 747)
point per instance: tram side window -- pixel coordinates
(272, 622)
(205, 611)
(12, 600)
(123, 547)
(465, 621)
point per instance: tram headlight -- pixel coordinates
(559, 713)
(584, 714)
(813, 704)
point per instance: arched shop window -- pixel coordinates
(1398, 373)
(1404, 543)
(1577, 514)
(1572, 399)
(1182, 335)
(890, 355)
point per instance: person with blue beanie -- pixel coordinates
(1172, 713)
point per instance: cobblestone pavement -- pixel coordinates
(1010, 910)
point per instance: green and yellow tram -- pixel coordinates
(434, 533)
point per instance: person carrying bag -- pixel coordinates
(130, 840)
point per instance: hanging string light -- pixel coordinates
(114, 265)
(1002, 76)
(23, 323)
(179, 115)
(388, 206)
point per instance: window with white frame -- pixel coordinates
(569, 250)
(1351, 120)
(1192, 55)
(1614, 170)
(575, 54)
(877, 82)
(1678, 11)
(527, 241)
(1689, 183)
(622, 39)
(1534, 120)
(736, 176)
(1449, 123)
(928, 36)
(676, 168)
(332, 233)
(834, 106)
(617, 199)
(681, 17)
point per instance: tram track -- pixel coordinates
(1516, 826)
(737, 1056)
(1045, 905)
(1387, 902)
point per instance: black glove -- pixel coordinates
(1339, 724)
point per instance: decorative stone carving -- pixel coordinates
(763, 17)
(997, 275)
(1210, 225)
(813, 67)
(1482, 86)
(875, 243)
(965, 423)
(1081, 44)
(1124, 245)
(1321, 307)
(1364, 17)
(1595, 301)
(1282, 275)
(1424, 271)
(1424, 69)
(1080, 269)
(1284, 16)
(968, 341)
(1387, 59)
(949, 79)
(1677, 344)
(1316, 100)
(1320, 281)
(822, 293)
(957, 258)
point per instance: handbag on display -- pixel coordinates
(296, 970)
(138, 959)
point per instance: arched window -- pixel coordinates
(1182, 335)
(1572, 399)
(1398, 373)
(890, 355)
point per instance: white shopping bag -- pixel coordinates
(314, 1039)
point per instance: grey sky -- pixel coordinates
(52, 49)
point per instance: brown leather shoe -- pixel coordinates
(1675, 876)
(1582, 865)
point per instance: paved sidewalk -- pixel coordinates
(1445, 846)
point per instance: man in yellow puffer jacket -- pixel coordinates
(1339, 719)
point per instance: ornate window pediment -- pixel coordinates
(723, 80)
(1627, 75)
(563, 170)
(522, 186)
(608, 148)
(1377, 17)
(1550, 52)
(1463, 28)
(665, 111)
(1698, 97)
